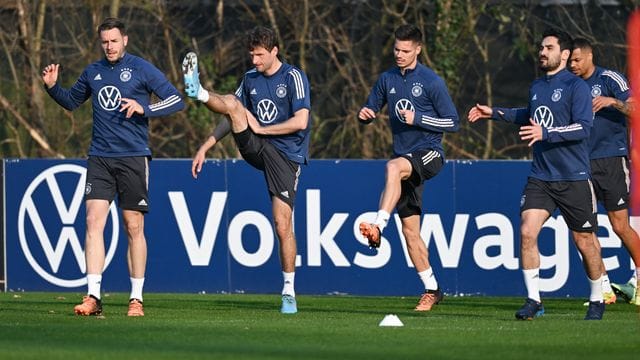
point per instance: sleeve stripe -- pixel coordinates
(564, 129)
(239, 89)
(617, 78)
(299, 85)
(168, 102)
(428, 120)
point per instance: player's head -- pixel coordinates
(263, 49)
(113, 38)
(581, 62)
(407, 46)
(555, 50)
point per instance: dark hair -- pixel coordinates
(261, 36)
(582, 43)
(112, 23)
(564, 40)
(408, 32)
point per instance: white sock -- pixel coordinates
(636, 275)
(596, 290)
(288, 288)
(428, 279)
(203, 95)
(382, 218)
(532, 282)
(136, 288)
(606, 284)
(93, 285)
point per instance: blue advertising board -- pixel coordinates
(215, 233)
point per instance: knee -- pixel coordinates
(620, 227)
(233, 104)
(282, 225)
(93, 223)
(393, 169)
(528, 236)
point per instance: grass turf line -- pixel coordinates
(189, 326)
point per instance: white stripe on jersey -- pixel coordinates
(297, 81)
(168, 102)
(568, 128)
(429, 120)
(239, 89)
(430, 156)
(617, 78)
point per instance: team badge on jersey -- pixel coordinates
(416, 90)
(557, 95)
(596, 90)
(281, 91)
(125, 75)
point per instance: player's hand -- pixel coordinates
(600, 102)
(50, 75)
(196, 165)
(532, 133)
(131, 107)
(408, 116)
(366, 115)
(479, 112)
(254, 124)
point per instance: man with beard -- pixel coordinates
(557, 124)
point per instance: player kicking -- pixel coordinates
(420, 111)
(270, 122)
(557, 124)
(610, 154)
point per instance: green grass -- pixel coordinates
(187, 326)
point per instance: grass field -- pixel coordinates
(186, 326)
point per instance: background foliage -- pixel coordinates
(485, 50)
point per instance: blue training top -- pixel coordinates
(420, 90)
(609, 133)
(562, 105)
(106, 84)
(275, 99)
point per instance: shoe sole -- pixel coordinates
(188, 63)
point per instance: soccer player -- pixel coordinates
(269, 117)
(609, 153)
(120, 86)
(556, 124)
(420, 111)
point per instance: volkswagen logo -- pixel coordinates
(36, 222)
(109, 97)
(402, 104)
(267, 111)
(543, 116)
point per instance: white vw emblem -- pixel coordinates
(403, 104)
(34, 235)
(109, 97)
(267, 111)
(543, 116)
